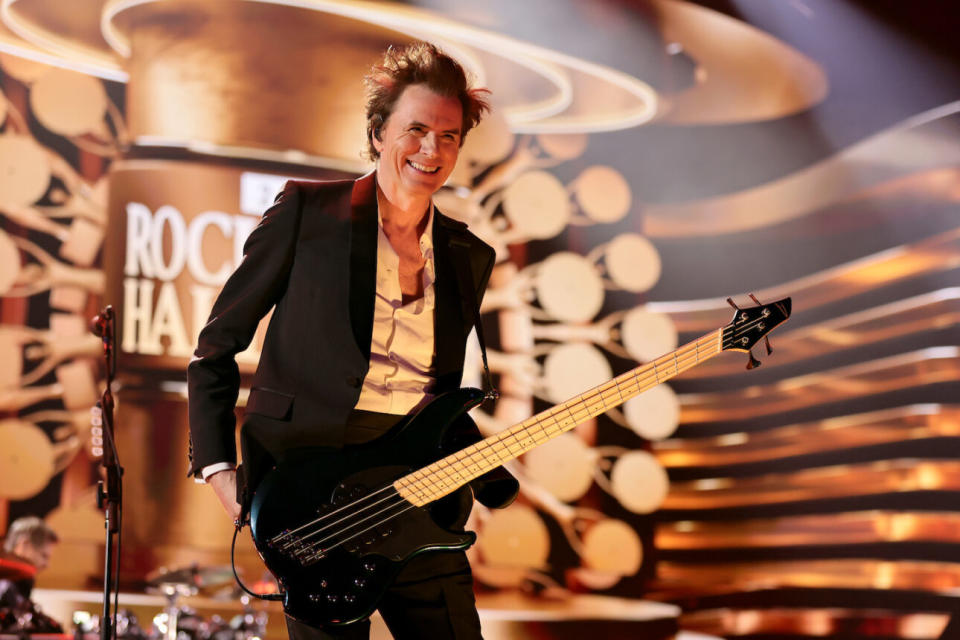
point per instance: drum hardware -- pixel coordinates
(26, 618)
(178, 622)
(193, 577)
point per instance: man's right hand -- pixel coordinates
(224, 484)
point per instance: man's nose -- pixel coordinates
(428, 143)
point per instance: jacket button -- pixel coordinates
(353, 381)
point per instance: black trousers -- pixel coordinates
(431, 598)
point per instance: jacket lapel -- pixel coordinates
(363, 260)
(448, 334)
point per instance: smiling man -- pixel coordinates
(374, 293)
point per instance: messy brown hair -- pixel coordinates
(418, 63)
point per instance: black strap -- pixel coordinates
(468, 291)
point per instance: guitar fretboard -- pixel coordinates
(446, 475)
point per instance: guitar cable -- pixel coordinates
(238, 525)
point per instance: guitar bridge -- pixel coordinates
(296, 548)
(309, 557)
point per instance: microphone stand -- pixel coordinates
(110, 491)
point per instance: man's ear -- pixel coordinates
(377, 133)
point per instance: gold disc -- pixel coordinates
(612, 546)
(69, 103)
(647, 335)
(24, 171)
(563, 466)
(654, 414)
(537, 205)
(26, 459)
(572, 368)
(633, 263)
(515, 537)
(603, 194)
(640, 484)
(569, 287)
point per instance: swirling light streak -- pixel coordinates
(52, 51)
(548, 64)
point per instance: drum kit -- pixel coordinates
(19, 617)
(178, 622)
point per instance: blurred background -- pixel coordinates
(645, 160)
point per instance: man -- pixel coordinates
(28, 546)
(369, 322)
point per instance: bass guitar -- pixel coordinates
(336, 527)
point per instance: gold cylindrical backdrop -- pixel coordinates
(249, 75)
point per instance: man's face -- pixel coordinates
(419, 143)
(38, 556)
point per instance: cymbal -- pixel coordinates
(193, 576)
(13, 567)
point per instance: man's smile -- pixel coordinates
(423, 168)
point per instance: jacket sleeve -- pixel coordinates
(213, 378)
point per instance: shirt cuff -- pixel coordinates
(211, 469)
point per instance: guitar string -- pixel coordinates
(317, 547)
(351, 507)
(599, 392)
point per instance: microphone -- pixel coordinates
(101, 324)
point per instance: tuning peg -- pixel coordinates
(732, 304)
(766, 339)
(754, 298)
(753, 363)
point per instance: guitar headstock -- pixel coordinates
(752, 324)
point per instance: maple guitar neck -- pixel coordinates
(446, 475)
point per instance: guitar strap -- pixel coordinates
(468, 295)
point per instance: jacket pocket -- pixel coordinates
(270, 403)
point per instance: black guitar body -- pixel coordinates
(333, 530)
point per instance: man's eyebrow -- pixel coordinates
(417, 123)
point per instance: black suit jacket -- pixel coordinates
(312, 259)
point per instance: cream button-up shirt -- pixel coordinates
(401, 351)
